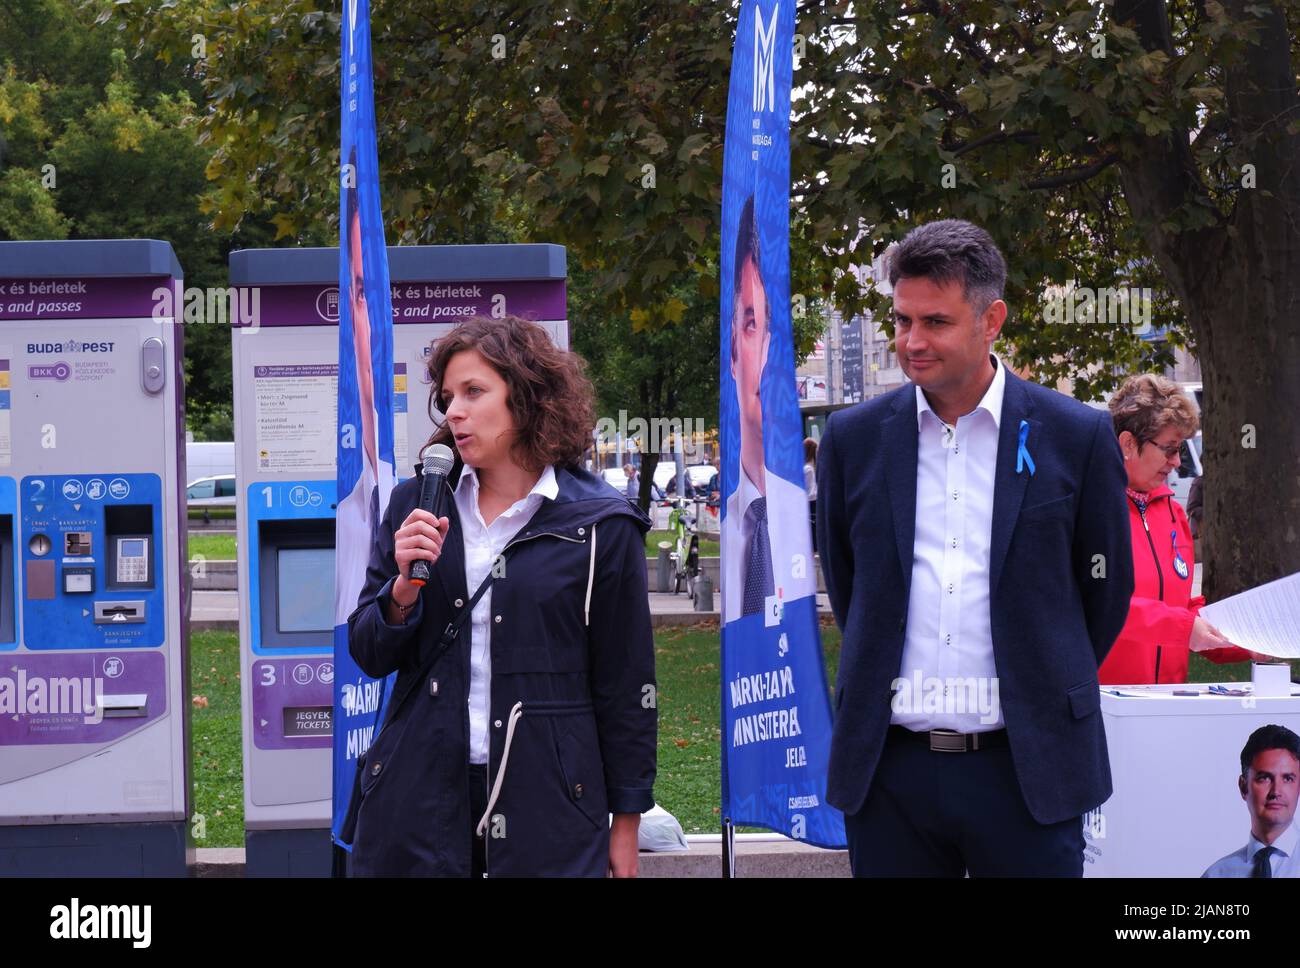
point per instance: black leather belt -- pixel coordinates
(951, 741)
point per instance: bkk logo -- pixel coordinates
(23, 695)
(49, 371)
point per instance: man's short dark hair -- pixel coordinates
(746, 241)
(952, 250)
(1269, 737)
(747, 250)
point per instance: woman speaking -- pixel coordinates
(1152, 418)
(524, 709)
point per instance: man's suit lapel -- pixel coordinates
(1008, 486)
(900, 440)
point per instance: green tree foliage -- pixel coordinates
(96, 145)
(1129, 143)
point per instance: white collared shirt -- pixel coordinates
(948, 647)
(483, 543)
(1241, 863)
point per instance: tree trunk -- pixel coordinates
(1248, 333)
(1238, 281)
(649, 461)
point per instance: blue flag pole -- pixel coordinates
(776, 716)
(365, 471)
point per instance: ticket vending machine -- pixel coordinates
(94, 594)
(285, 362)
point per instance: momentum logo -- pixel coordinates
(765, 59)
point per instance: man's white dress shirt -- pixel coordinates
(949, 642)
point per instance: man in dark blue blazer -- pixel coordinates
(975, 546)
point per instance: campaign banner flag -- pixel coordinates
(365, 394)
(776, 716)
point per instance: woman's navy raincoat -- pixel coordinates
(572, 683)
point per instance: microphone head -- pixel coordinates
(438, 460)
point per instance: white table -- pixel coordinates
(1175, 762)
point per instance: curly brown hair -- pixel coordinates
(1147, 403)
(549, 395)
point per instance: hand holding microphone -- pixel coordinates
(417, 544)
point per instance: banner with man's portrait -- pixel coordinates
(775, 705)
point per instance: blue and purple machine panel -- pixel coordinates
(94, 602)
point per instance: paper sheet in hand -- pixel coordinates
(1264, 619)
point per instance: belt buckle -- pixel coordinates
(947, 741)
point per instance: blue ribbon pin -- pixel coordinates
(1022, 452)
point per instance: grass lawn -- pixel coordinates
(218, 769)
(687, 666)
(708, 546)
(213, 547)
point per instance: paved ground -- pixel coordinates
(756, 856)
(220, 610)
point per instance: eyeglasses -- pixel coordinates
(1171, 452)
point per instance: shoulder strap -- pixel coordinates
(444, 642)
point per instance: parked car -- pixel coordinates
(1180, 481)
(209, 458)
(618, 480)
(697, 475)
(211, 492)
(700, 475)
(615, 477)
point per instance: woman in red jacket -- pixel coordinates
(1153, 418)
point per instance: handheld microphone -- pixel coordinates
(433, 498)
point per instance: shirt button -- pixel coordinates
(460, 602)
(954, 542)
(949, 640)
(497, 724)
(582, 531)
(497, 619)
(949, 588)
(954, 495)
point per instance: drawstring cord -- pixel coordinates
(591, 578)
(516, 713)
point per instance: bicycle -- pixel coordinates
(685, 555)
